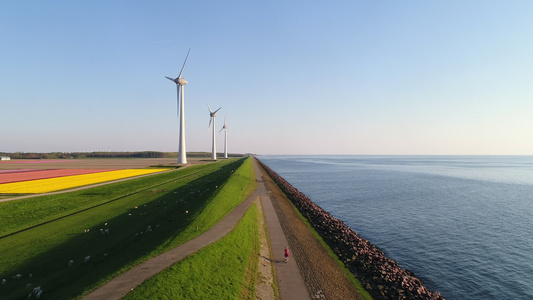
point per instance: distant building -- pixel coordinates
(5, 158)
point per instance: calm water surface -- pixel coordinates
(462, 224)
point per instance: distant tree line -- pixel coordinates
(79, 155)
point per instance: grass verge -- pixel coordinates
(218, 271)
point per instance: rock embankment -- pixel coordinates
(381, 276)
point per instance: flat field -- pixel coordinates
(26, 175)
(95, 163)
(71, 181)
(13, 169)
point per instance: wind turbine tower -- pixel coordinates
(212, 115)
(180, 83)
(225, 128)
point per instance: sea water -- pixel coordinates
(462, 224)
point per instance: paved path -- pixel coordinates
(290, 282)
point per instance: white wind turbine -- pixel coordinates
(225, 128)
(212, 115)
(180, 82)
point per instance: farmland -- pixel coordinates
(14, 170)
(40, 235)
(94, 163)
(66, 182)
(18, 175)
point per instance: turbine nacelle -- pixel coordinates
(212, 114)
(178, 81)
(181, 81)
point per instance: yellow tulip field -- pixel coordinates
(67, 182)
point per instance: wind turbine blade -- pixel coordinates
(225, 120)
(217, 110)
(209, 108)
(171, 79)
(184, 63)
(221, 129)
(210, 122)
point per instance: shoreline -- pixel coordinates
(381, 276)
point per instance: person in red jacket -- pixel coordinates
(286, 254)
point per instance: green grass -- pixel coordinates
(207, 192)
(20, 214)
(215, 272)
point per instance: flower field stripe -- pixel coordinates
(42, 174)
(16, 171)
(43, 161)
(67, 182)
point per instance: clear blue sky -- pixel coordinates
(293, 77)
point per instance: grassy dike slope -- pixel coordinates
(172, 204)
(215, 272)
